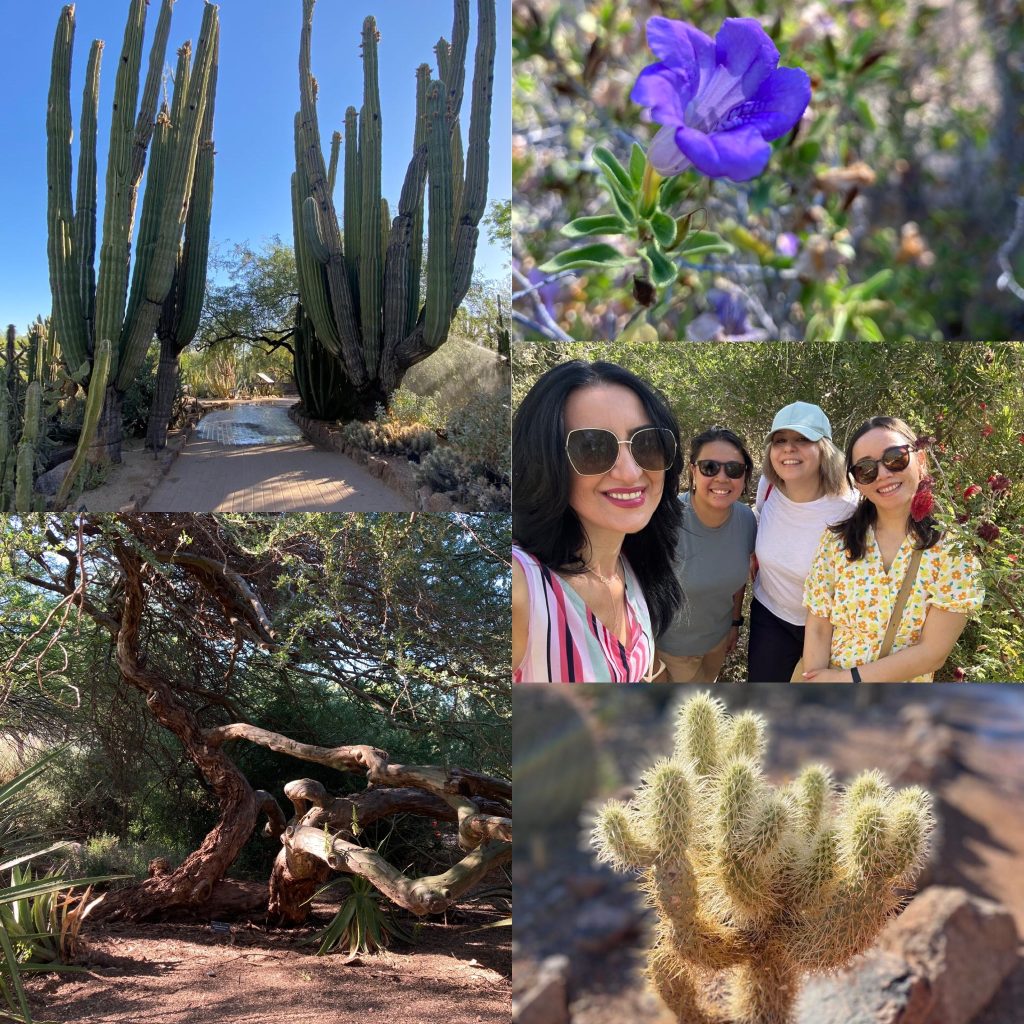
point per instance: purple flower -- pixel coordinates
(787, 244)
(719, 102)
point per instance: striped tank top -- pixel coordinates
(567, 643)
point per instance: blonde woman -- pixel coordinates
(803, 489)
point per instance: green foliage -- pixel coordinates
(900, 177)
(969, 397)
(760, 883)
(362, 925)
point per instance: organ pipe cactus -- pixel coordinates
(359, 280)
(89, 307)
(179, 317)
(759, 883)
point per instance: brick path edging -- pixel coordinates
(396, 472)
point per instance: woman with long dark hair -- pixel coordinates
(595, 473)
(712, 562)
(887, 594)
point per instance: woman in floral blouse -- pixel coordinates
(861, 562)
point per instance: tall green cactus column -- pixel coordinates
(83, 311)
(359, 279)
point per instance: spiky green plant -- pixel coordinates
(361, 324)
(361, 925)
(763, 884)
(90, 307)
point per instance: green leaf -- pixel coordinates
(664, 228)
(700, 243)
(614, 171)
(609, 224)
(672, 190)
(663, 270)
(637, 163)
(864, 112)
(867, 329)
(872, 286)
(598, 254)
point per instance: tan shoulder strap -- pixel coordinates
(901, 602)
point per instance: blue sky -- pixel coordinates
(257, 96)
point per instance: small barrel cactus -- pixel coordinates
(763, 883)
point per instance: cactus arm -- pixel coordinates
(85, 203)
(64, 286)
(370, 259)
(191, 282)
(121, 185)
(310, 271)
(353, 208)
(455, 79)
(312, 161)
(313, 230)
(93, 406)
(474, 196)
(332, 170)
(138, 333)
(439, 269)
(416, 200)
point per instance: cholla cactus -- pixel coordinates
(766, 884)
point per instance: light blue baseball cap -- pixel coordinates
(805, 419)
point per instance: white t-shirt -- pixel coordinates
(787, 538)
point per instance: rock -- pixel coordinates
(881, 988)
(439, 503)
(600, 928)
(963, 944)
(376, 466)
(546, 998)
(49, 482)
(939, 962)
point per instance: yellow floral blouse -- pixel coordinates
(858, 597)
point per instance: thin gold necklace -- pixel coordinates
(606, 580)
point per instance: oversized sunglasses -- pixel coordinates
(593, 451)
(710, 467)
(865, 471)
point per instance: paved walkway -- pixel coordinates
(252, 458)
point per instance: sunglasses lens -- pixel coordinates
(710, 467)
(592, 451)
(654, 449)
(865, 472)
(896, 458)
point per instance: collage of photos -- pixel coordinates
(380, 379)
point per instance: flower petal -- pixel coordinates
(681, 46)
(744, 49)
(740, 154)
(664, 155)
(664, 91)
(776, 107)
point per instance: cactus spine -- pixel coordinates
(360, 289)
(762, 883)
(87, 307)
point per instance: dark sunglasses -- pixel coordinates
(593, 451)
(710, 467)
(865, 471)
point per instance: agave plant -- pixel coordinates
(362, 924)
(33, 918)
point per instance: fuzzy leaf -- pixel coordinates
(609, 224)
(598, 254)
(614, 172)
(664, 228)
(637, 162)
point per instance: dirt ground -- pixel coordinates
(458, 973)
(571, 905)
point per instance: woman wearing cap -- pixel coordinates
(595, 471)
(887, 595)
(712, 560)
(803, 489)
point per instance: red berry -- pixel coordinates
(982, 406)
(987, 430)
(1011, 558)
(1020, 437)
(959, 674)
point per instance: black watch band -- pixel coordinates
(739, 621)
(856, 674)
